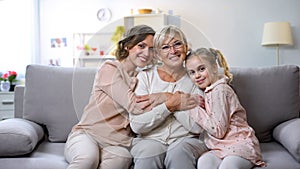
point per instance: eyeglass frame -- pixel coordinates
(176, 45)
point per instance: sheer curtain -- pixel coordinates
(19, 35)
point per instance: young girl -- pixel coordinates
(231, 141)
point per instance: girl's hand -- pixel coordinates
(200, 99)
(202, 102)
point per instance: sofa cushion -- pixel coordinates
(56, 96)
(270, 96)
(288, 135)
(47, 155)
(19, 136)
(276, 157)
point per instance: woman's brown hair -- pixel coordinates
(133, 36)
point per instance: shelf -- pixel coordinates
(6, 105)
(91, 61)
(96, 57)
(85, 42)
(156, 21)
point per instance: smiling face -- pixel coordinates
(141, 54)
(172, 52)
(200, 71)
(170, 46)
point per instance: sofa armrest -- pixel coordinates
(18, 99)
(19, 136)
(288, 135)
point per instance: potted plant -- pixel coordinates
(8, 81)
(118, 34)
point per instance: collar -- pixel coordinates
(223, 80)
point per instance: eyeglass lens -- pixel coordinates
(167, 48)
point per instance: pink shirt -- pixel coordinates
(225, 122)
(105, 118)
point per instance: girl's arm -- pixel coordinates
(215, 118)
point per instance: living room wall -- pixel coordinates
(233, 26)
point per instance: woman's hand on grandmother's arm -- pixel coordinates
(142, 102)
(181, 101)
(151, 117)
(147, 102)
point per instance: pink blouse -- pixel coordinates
(105, 118)
(225, 122)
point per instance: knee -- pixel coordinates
(228, 165)
(206, 163)
(151, 159)
(115, 157)
(148, 151)
(189, 147)
(149, 162)
(208, 160)
(116, 163)
(148, 157)
(179, 149)
(235, 162)
(85, 161)
(81, 151)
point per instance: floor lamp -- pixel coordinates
(276, 34)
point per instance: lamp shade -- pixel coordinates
(277, 33)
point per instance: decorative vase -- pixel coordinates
(4, 86)
(12, 87)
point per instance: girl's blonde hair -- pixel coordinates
(215, 58)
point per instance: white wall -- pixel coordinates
(17, 35)
(233, 26)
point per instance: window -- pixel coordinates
(18, 35)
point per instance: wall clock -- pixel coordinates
(104, 14)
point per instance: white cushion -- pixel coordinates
(19, 136)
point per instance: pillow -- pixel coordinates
(19, 136)
(288, 135)
(55, 96)
(270, 96)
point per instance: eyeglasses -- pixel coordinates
(167, 48)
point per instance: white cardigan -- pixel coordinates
(159, 123)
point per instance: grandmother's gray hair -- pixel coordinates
(168, 33)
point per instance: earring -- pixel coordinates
(188, 52)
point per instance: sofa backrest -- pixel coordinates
(56, 96)
(270, 96)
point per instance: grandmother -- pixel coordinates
(166, 136)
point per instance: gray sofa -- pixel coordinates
(53, 98)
